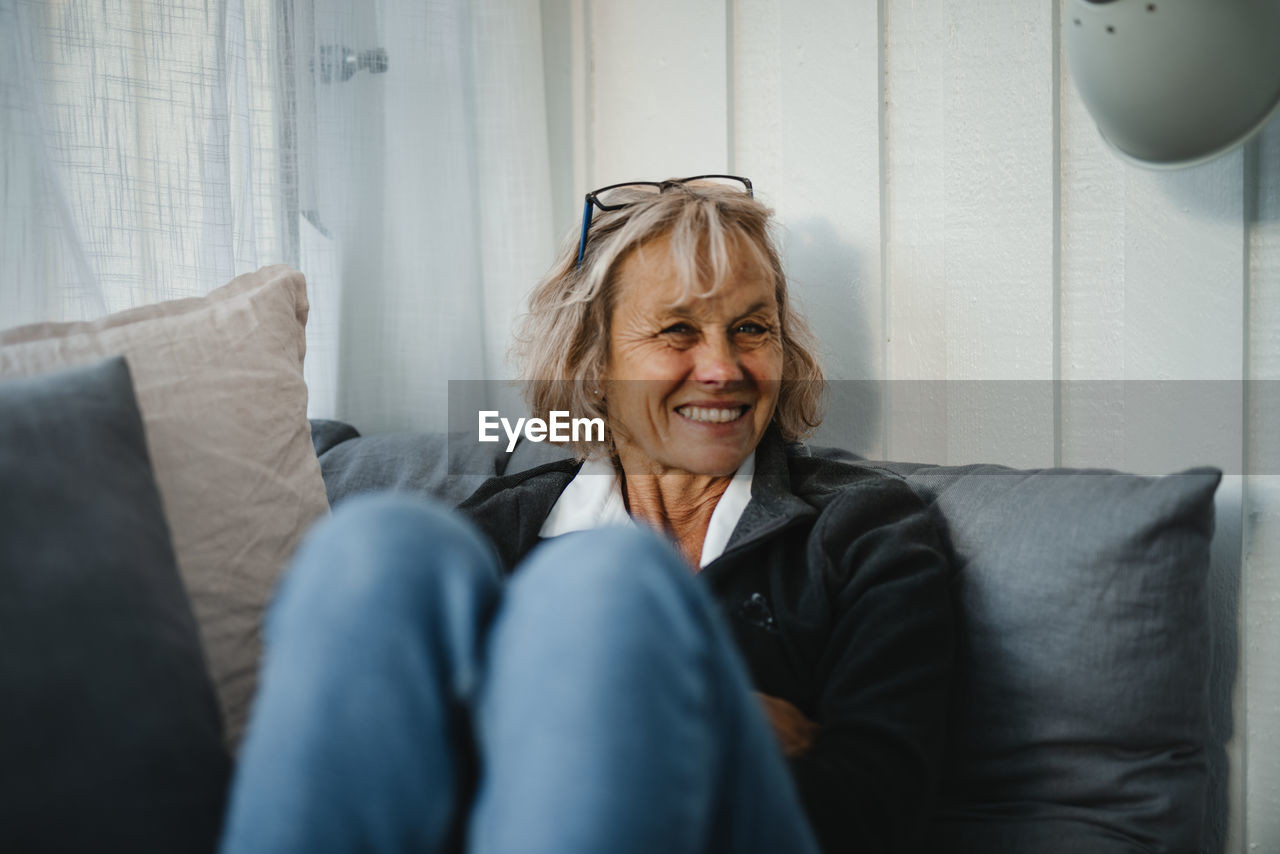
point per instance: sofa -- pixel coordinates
(157, 469)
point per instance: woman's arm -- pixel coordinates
(869, 780)
(795, 732)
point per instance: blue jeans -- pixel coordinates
(413, 701)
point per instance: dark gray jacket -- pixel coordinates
(837, 591)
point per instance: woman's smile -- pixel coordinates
(712, 413)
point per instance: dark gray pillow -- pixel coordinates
(109, 731)
(1082, 706)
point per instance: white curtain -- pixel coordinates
(153, 150)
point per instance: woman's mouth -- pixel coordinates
(713, 414)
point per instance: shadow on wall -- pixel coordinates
(1211, 191)
(837, 293)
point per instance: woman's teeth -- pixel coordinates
(714, 416)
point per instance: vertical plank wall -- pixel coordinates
(806, 90)
(954, 224)
(970, 186)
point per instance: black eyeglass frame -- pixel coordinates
(592, 200)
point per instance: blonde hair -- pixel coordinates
(562, 344)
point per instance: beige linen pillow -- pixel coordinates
(219, 383)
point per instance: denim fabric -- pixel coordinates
(413, 702)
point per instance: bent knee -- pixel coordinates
(609, 569)
(383, 553)
(605, 553)
(607, 601)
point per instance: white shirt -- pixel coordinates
(593, 499)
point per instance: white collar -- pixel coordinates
(593, 499)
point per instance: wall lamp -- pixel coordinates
(1175, 82)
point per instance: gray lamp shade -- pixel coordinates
(1175, 82)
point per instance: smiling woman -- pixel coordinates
(769, 672)
(701, 352)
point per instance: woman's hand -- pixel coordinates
(795, 732)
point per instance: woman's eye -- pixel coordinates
(750, 329)
(678, 329)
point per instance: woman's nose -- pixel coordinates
(716, 362)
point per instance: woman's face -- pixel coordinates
(691, 384)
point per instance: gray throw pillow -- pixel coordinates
(1082, 705)
(109, 728)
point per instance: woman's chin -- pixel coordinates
(687, 447)
(717, 460)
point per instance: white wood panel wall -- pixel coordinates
(801, 95)
(954, 224)
(970, 187)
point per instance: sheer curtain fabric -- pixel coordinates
(154, 150)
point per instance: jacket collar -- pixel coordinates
(774, 505)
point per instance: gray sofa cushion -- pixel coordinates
(109, 730)
(446, 467)
(1082, 701)
(1082, 711)
(403, 462)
